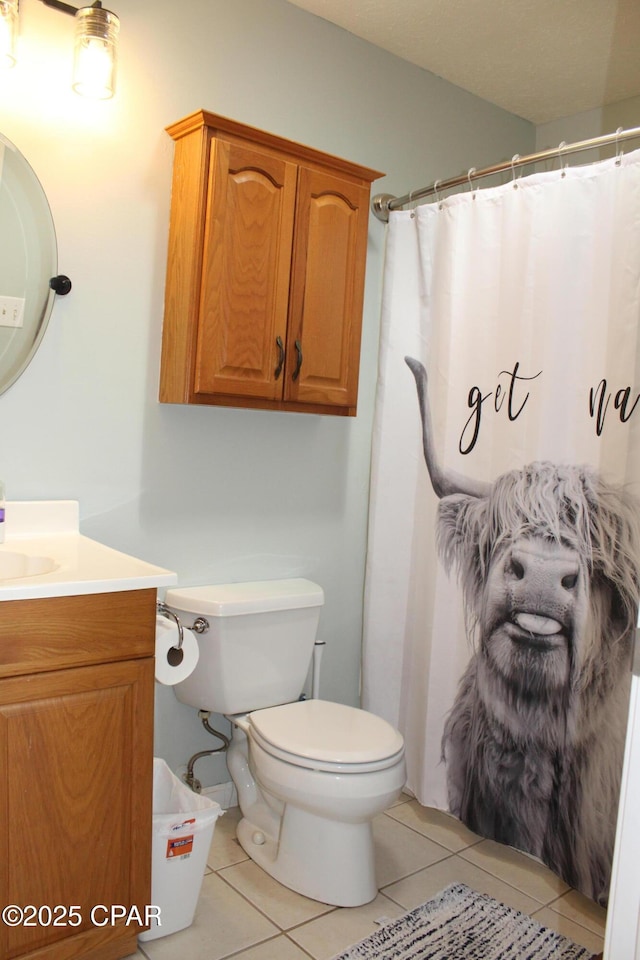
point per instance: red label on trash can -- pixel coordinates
(179, 846)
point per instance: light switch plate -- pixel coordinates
(11, 311)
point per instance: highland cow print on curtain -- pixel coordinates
(504, 546)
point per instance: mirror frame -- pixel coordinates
(27, 235)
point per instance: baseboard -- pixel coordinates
(223, 793)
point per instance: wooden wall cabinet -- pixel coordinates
(76, 768)
(265, 271)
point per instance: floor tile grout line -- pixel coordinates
(594, 933)
(282, 930)
(247, 900)
(412, 873)
(239, 953)
(573, 919)
(527, 893)
(427, 836)
(300, 947)
(542, 903)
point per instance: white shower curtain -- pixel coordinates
(522, 303)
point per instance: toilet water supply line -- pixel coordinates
(200, 626)
(190, 777)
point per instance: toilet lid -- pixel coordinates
(331, 733)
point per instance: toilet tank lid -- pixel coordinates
(237, 599)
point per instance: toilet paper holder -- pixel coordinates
(199, 625)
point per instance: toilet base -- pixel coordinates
(322, 859)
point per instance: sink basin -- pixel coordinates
(15, 566)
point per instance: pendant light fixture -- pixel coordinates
(95, 48)
(95, 52)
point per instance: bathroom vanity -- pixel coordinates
(76, 737)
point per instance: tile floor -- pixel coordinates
(244, 914)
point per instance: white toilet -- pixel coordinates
(310, 774)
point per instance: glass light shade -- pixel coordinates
(8, 31)
(94, 67)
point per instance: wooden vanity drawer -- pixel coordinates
(55, 633)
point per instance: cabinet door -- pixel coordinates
(76, 751)
(245, 272)
(327, 290)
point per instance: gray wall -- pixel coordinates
(591, 123)
(215, 494)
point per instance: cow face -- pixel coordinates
(549, 581)
(526, 591)
(533, 607)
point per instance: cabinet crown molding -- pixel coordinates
(221, 126)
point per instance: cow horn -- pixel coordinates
(444, 482)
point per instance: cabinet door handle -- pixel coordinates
(296, 372)
(280, 364)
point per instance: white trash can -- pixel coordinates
(183, 824)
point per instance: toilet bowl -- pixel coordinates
(323, 771)
(310, 774)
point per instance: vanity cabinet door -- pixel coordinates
(76, 749)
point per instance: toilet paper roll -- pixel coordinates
(173, 665)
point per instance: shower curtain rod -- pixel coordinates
(382, 203)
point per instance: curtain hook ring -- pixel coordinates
(619, 152)
(514, 160)
(435, 190)
(470, 174)
(563, 166)
(413, 209)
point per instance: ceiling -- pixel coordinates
(539, 59)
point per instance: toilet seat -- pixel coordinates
(332, 737)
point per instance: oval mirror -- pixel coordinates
(28, 260)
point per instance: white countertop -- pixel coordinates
(50, 528)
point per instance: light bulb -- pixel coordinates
(8, 31)
(94, 70)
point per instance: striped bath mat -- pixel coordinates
(460, 924)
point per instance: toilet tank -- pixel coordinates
(259, 645)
